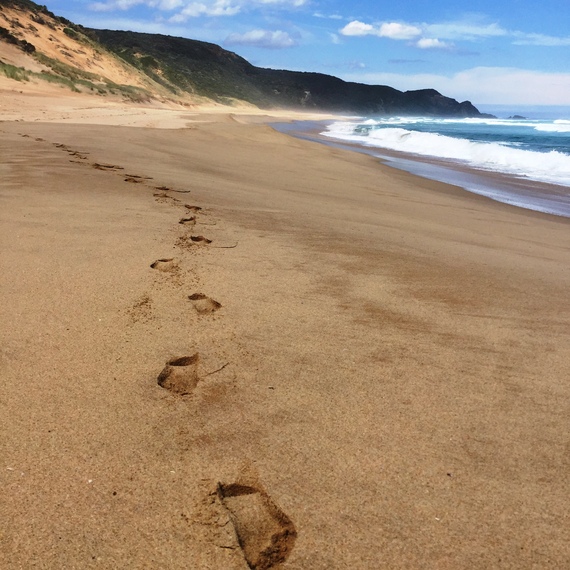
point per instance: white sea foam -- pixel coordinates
(490, 122)
(559, 126)
(552, 167)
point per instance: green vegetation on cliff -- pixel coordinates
(207, 69)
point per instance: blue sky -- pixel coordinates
(491, 52)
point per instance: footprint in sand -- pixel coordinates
(168, 265)
(107, 167)
(180, 375)
(188, 242)
(167, 189)
(192, 208)
(136, 179)
(201, 240)
(163, 197)
(191, 221)
(265, 533)
(204, 304)
(78, 154)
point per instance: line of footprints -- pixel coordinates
(266, 535)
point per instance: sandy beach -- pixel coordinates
(375, 365)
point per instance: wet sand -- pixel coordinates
(504, 188)
(376, 365)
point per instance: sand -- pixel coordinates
(374, 367)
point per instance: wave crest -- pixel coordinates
(552, 167)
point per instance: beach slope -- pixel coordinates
(223, 347)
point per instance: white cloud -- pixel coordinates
(484, 85)
(294, 3)
(357, 28)
(465, 31)
(397, 31)
(114, 5)
(262, 38)
(432, 43)
(540, 40)
(427, 36)
(108, 22)
(192, 9)
(335, 39)
(216, 8)
(391, 30)
(171, 4)
(433, 36)
(327, 17)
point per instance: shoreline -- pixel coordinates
(519, 192)
(376, 351)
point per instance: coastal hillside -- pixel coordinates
(208, 70)
(37, 45)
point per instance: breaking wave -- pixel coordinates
(507, 149)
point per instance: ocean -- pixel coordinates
(523, 160)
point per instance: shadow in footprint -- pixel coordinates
(265, 533)
(103, 166)
(167, 265)
(201, 240)
(204, 304)
(136, 179)
(180, 375)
